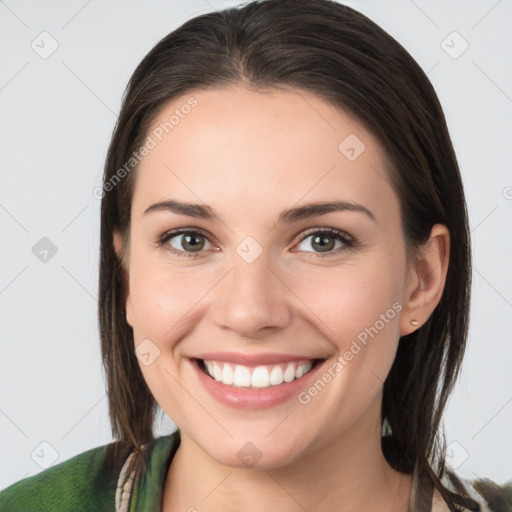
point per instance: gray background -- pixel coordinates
(56, 117)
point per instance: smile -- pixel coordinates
(255, 377)
(254, 381)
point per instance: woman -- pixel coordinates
(285, 271)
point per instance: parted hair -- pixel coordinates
(340, 55)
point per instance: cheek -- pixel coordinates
(358, 311)
(162, 297)
(349, 298)
(164, 302)
(357, 308)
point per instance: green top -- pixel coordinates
(83, 484)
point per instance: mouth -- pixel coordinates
(256, 377)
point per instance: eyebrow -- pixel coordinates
(310, 210)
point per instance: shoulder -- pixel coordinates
(491, 497)
(80, 483)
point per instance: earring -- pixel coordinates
(415, 322)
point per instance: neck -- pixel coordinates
(350, 474)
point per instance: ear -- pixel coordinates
(426, 279)
(118, 244)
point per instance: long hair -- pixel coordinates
(340, 55)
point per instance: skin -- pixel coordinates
(249, 155)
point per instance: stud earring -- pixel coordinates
(415, 322)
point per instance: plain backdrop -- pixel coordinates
(64, 66)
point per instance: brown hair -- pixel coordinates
(340, 55)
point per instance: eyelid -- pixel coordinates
(333, 231)
(348, 241)
(182, 231)
(167, 235)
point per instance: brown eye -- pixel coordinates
(189, 242)
(184, 243)
(326, 241)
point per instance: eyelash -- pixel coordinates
(348, 241)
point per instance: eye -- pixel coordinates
(324, 241)
(187, 243)
(190, 243)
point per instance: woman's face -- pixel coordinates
(258, 295)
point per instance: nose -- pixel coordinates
(252, 299)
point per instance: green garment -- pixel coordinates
(82, 484)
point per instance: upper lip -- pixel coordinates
(253, 359)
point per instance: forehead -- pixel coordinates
(256, 148)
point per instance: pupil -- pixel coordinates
(188, 239)
(324, 243)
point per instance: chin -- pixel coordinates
(259, 454)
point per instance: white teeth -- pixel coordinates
(227, 374)
(289, 373)
(276, 376)
(242, 377)
(258, 377)
(209, 367)
(303, 369)
(217, 372)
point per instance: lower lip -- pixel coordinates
(249, 398)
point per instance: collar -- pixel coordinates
(145, 491)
